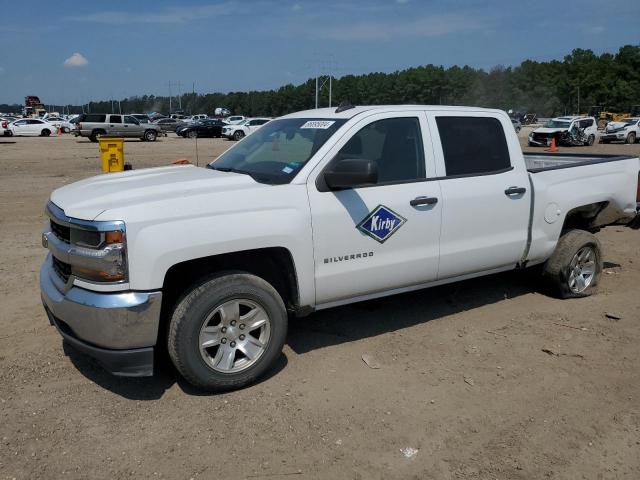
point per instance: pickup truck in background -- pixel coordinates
(94, 125)
(315, 209)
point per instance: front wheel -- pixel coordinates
(150, 136)
(238, 135)
(631, 138)
(590, 141)
(227, 331)
(574, 268)
(192, 134)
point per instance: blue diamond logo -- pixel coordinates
(381, 223)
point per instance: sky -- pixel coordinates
(71, 51)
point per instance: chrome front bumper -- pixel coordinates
(118, 329)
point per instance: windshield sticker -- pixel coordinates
(287, 169)
(381, 223)
(318, 124)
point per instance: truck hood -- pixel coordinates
(89, 198)
(549, 130)
(616, 125)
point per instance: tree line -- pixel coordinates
(554, 87)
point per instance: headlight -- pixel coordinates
(95, 251)
(104, 261)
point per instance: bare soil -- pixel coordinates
(463, 375)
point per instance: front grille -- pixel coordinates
(61, 231)
(62, 269)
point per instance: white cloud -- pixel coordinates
(296, 7)
(402, 2)
(1, 70)
(165, 16)
(76, 60)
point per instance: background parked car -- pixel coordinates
(31, 127)
(238, 132)
(627, 130)
(235, 119)
(557, 127)
(202, 128)
(168, 124)
(517, 126)
(93, 125)
(60, 123)
(142, 117)
(4, 128)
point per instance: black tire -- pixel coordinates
(8, 133)
(45, 132)
(631, 138)
(193, 310)
(557, 270)
(150, 136)
(591, 140)
(95, 135)
(66, 130)
(192, 134)
(238, 135)
(604, 141)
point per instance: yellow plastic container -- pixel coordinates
(112, 154)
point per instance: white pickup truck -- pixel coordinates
(316, 209)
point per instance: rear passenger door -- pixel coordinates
(115, 127)
(485, 197)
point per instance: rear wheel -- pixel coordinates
(631, 138)
(238, 135)
(95, 135)
(66, 129)
(574, 268)
(45, 132)
(227, 331)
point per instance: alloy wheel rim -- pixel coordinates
(234, 335)
(582, 269)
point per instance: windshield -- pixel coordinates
(630, 121)
(557, 124)
(278, 150)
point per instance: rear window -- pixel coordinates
(93, 117)
(473, 145)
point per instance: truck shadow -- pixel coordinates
(332, 327)
(146, 388)
(375, 317)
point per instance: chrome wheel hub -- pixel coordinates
(582, 269)
(234, 335)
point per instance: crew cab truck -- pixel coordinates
(314, 210)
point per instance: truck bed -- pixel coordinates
(539, 162)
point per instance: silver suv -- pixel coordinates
(93, 125)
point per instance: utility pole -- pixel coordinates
(169, 97)
(316, 92)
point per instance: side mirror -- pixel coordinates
(350, 173)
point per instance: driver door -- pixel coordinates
(382, 237)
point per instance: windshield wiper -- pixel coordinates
(256, 177)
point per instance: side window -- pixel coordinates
(130, 119)
(115, 119)
(473, 145)
(586, 123)
(395, 144)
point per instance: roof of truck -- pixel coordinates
(353, 111)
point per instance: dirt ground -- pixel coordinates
(463, 377)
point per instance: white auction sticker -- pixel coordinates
(321, 124)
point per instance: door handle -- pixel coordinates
(515, 191)
(423, 201)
